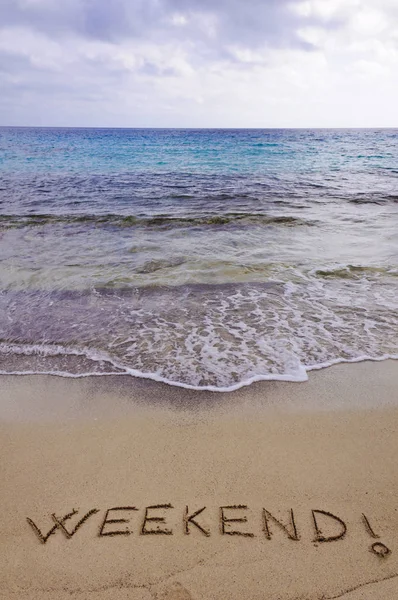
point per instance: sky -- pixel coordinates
(199, 63)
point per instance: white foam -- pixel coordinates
(218, 339)
(61, 373)
(358, 359)
(300, 376)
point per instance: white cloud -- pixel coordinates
(321, 63)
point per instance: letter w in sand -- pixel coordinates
(60, 524)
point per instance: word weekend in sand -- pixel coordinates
(232, 521)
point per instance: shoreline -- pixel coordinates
(152, 377)
(339, 387)
(275, 491)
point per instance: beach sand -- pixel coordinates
(329, 445)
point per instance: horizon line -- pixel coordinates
(189, 128)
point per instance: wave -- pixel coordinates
(298, 376)
(157, 221)
(213, 337)
(354, 272)
(373, 199)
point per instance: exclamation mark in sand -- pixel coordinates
(377, 548)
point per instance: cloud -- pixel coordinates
(198, 62)
(249, 23)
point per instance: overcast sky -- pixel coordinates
(199, 63)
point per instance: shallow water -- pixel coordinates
(205, 258)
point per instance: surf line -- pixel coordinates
(232, 521)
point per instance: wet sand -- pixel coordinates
(298, 484)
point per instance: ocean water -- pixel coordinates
(203, 258)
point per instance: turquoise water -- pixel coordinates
(204, 258)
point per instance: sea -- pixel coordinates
(203, 258)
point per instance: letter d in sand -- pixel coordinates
(333, 521)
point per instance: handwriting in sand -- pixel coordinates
(232, 521)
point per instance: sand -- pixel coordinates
(329, 445)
